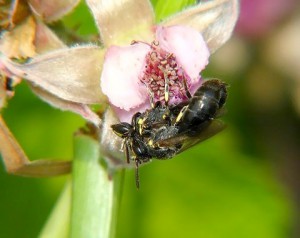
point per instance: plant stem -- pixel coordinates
(57, 225)
(95, 195)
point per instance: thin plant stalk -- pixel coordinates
(95, 194)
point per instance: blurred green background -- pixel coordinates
(241, 183)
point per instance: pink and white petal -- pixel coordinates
(126, 116)
(121, 21)
(215, 19)
(187, 45)
(196, 84)
(52, 10)
(45, 39)
(72, 74)
(78, 108)
(120, 80)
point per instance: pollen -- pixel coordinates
(162, 71)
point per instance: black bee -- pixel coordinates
(164, 131)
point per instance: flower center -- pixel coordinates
(162, 68)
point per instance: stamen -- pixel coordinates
(164, 76)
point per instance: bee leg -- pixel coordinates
(127, 147)
(137, 177)
(187, 92)
(16, 161)
(180, 115)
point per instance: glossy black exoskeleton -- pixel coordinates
(164, 131)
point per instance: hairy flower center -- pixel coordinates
(162, 68)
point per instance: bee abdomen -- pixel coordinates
(205, 104)
(212, 90)
(201, 110)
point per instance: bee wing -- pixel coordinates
(186, 140)
(221, 112)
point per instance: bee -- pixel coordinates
(165, 131)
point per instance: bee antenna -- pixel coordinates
(137, 177)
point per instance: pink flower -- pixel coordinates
(70, 78)
(178, 54)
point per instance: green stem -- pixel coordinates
(95, 195)
(57, 225)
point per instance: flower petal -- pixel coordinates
(214, 19)
(187, 45)
(120, 75)
(121, 21)
(81, 109)
(70, 74)
(52, 10)
(126, 116)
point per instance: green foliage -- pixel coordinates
(43, 132)
(165, 8)
(213, 190)
(81, 21)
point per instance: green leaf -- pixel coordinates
(165, 8)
